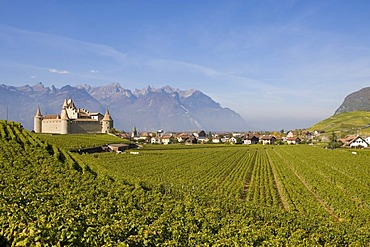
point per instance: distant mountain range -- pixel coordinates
(147, 109)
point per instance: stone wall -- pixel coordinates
(78, 127)
(51, 126)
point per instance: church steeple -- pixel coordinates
(134, 132)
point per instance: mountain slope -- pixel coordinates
(356, 101)
(357, 122)
(148, 109)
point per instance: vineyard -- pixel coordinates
(177, 196)
(313, 181)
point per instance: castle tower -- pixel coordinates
(64, 120)
(107, 122)
(37, 121)
(64, 104)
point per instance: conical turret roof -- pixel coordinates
(38, 112)
(107, 116)
(65, 103)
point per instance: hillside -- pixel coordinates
(148, 109)
(356, 101)
(356, 122)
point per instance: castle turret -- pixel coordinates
(37, 121)
(64, 121)
(107, 122)
(65, 104)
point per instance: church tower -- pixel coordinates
(134, 132)
(37, 121)
(107, 122)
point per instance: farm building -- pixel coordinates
(120, 147)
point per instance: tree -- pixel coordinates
(333, 142)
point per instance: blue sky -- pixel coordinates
(280, 64)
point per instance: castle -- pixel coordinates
(72, 120)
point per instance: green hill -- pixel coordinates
(357, 122)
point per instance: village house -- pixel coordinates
(358, 142)
(191, 140)
(216, 140)
(290, 134)
(202, 137)
(167, 139)
(155, 140)
(251, 139)
(233, 140)
(237, 139)
(354, 141)
(225, 139)
(308, 135)
(268, 140)
(144, 137)
(347, 140)
(293, 140)
(183, 137)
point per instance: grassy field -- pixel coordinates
(350, 123)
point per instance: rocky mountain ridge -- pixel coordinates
(356, 101)
(147, 109)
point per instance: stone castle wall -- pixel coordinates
(78, 127)
(54, 126)
(51, 126)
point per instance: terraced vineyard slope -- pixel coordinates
(357, 122)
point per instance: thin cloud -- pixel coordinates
(94, 71)
(58, 71)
